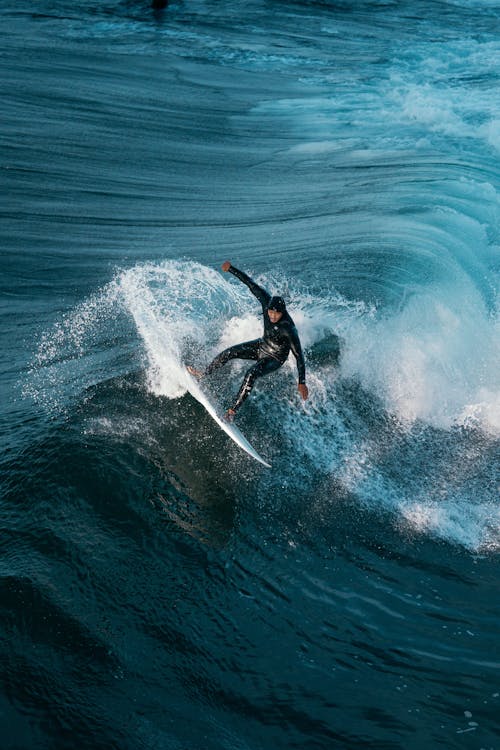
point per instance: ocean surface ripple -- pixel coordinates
(158, 588)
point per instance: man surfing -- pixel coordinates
(269, 352)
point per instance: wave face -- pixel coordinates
(158, 588)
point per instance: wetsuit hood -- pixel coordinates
(277, 303)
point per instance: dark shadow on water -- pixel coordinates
(327, 351)
(136, 462)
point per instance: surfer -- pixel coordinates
(270, 351)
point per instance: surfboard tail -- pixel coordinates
(229, 427)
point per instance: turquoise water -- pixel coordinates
(158, 588)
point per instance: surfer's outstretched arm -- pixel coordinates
(256, 290)
(301, 367)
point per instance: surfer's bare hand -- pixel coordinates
(303, 390)
(226, 265)
(230, 414)
(194, 372)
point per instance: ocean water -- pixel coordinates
(159, 590)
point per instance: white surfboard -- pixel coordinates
(230, 429)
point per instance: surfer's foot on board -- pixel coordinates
(194, 372)
(229, 415)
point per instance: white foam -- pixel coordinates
(434, 361)
(476, 527)
(437, 360)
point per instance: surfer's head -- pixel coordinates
(276, 308)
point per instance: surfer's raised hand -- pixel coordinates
(226, 265)
(303, 390)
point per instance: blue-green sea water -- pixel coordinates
(160, 590)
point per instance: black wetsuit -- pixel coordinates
(270, 351)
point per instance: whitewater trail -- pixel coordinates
(414, 366)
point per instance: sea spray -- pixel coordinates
(394, 397)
